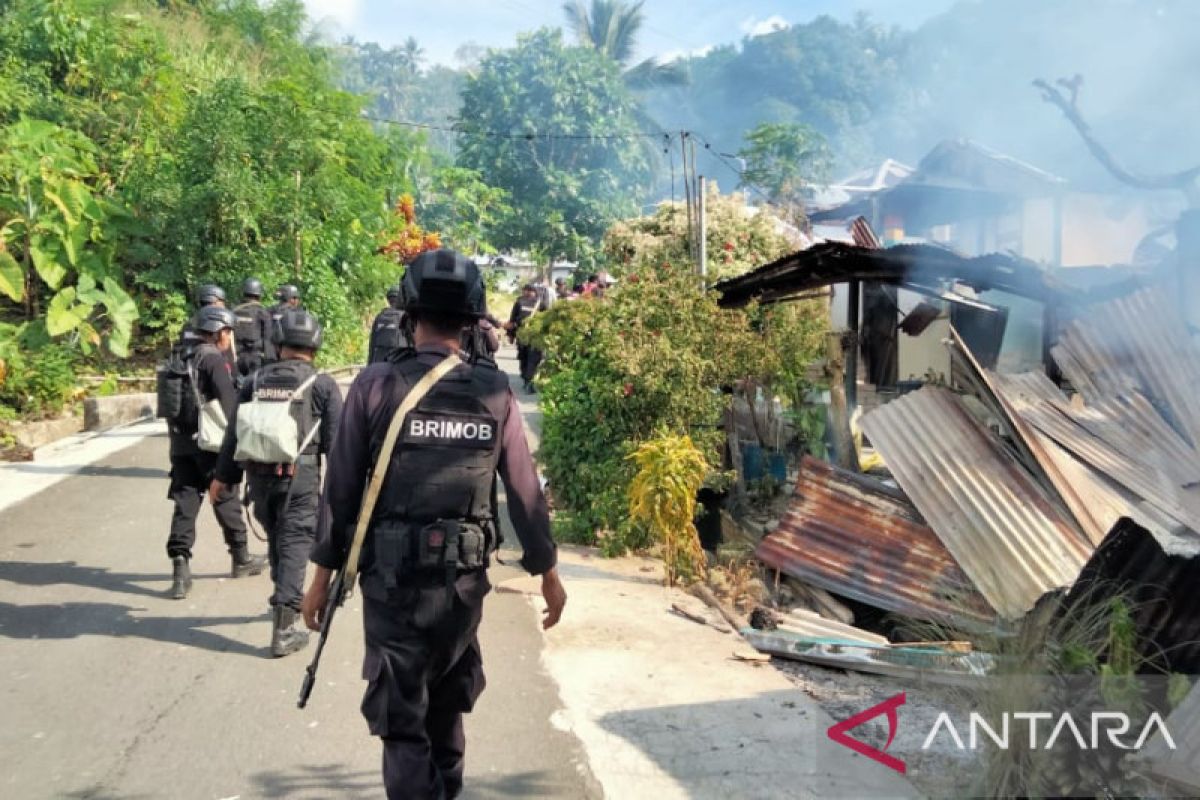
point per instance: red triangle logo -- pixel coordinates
(838, 732)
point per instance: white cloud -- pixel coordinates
(343, 12)
(753, 26)
(676, 55)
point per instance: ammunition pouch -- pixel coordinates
(408, 554)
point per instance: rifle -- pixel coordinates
(337, 596)
(343, 582)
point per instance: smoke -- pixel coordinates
(879, 92)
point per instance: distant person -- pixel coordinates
(388, 333)
(528, 357)
(286, 296)
(207, 377)
(286, 419)
(253, 332)
(482, 339)
(589, 286)
(561, 290)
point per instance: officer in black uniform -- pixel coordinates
(252, 333)
(192, 468)
(285, 495)
(424, 561)
(388, 335)
(288, 296)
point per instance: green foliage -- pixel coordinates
(739, 239)
(463, 209)
(565, 191)
(783, 158)
(651, 357)
(662, 497)
(38, 385)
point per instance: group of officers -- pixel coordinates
(433, 528)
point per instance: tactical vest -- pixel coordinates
(436, 510)
(247, 331)
(387, 335)
(278, 382)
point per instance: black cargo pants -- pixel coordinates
(191, 474)
(424, 671)
(290, 522)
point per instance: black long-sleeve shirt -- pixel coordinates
(214, 380)
(326, 399)
(369, 407)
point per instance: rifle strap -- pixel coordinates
(415, 396)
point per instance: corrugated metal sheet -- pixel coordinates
(853, 536)
(1181, 765)
(812, 625)
(1095, 502)
(1130, 472)
(927, 665)
(1160, 578)
(1002, 529)
(1139, 341)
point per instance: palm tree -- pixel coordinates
(412, 55)
(611, 26)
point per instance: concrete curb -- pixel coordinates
(102, 413)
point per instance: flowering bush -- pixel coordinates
(656, 357)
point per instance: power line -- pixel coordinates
(459, 129)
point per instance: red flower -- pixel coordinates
(627, 390)
(728, 246)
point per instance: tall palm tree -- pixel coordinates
(412, 55)
(611, 26)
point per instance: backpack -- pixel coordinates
(387, 335)
(246, 330)
(175, 396)
(269, 429)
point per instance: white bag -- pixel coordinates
(267, 432)
(212, 426)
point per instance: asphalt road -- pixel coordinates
(110, 690)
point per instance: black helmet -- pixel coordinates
(443, 280)
(208, 294)
(393, 293)
(298, 328)
(287, 292)
(252, 287)
(212, 319)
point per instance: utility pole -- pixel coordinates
(702, 250)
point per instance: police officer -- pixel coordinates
(388, 334)
(192, 468)
(528, 357)
(288, 296)
(285, 495)
(424, 562)
(252, 333)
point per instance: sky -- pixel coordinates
(673, 27)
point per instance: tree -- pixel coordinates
(553, 126)
(782, 158)
(612, 26)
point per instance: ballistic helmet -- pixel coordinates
(287, 292)
(393, 293)
(252, 287)
(298, 328)
(208, 294)
(443, 281)
(212, 319)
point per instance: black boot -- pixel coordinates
(245, 564)
(181, 579)
(287, 636)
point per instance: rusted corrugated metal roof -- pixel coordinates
(1002, 529)
(1139, 341)
(853, 536)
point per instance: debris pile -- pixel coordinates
(1009, 488)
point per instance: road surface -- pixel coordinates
(111, 690)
